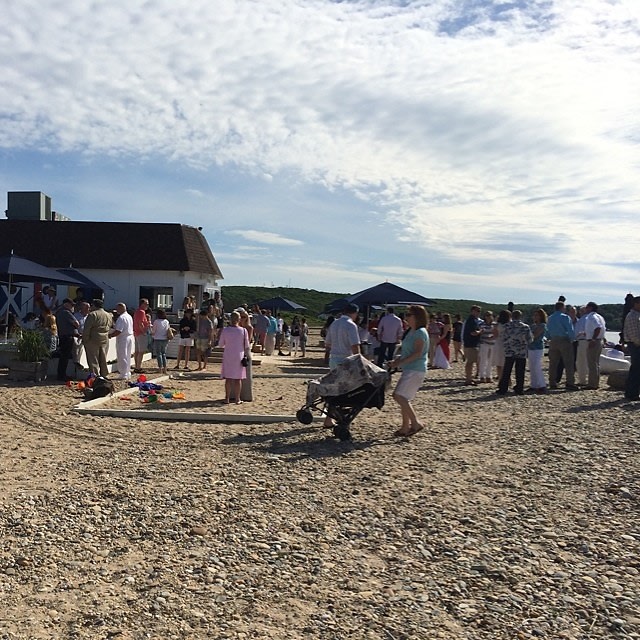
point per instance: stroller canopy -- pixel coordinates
(349, 375)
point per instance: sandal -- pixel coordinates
(402, 433)
(415, 429)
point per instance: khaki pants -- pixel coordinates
(561, 348)
(582, 366)
(97, 357)
(593, 361)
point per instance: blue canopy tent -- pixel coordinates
(15, 268)
(280, 304)
(86, 282)
(388, 293)
(336, 305)
(379, 296)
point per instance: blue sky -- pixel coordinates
(463, 149)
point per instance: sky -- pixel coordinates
(459, 148)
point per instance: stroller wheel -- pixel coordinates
(342, 432)
(304, 416)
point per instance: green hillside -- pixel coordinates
(315, 302)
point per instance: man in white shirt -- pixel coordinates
(389, 335)
(343, 337)
(342, 340)
(50, 299)
(595, 327)
(123, 333)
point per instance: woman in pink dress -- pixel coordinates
(235, 342)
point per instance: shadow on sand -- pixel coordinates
(292, 449)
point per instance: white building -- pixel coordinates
(163, 262)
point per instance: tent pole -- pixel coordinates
(6, 316)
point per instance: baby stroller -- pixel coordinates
(355, 384)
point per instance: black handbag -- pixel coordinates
(244, 362)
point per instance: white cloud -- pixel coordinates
(478, 132)
(265, 237)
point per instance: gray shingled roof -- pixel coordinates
(138, 246)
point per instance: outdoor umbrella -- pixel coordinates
(14, 268)
(87, 282)
(280, 304)
(388, 293)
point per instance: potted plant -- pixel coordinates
(32, 358)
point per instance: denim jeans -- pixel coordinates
(160, 348)
(520, 365)
(386, 351)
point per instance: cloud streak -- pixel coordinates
(265, 237)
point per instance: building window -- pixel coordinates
(159, 297)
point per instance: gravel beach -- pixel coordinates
(506, 518)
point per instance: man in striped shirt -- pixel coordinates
(632, 337)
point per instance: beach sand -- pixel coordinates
(507, 517)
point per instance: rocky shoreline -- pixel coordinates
(514, 517)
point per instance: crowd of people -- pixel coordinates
(273, 332)
(71, 327)
(493, 348)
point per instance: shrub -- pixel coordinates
(31, 346)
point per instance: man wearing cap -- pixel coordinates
(389, 335)
(95, 338)
(67, 330)
(123, 333)
(343, 337)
